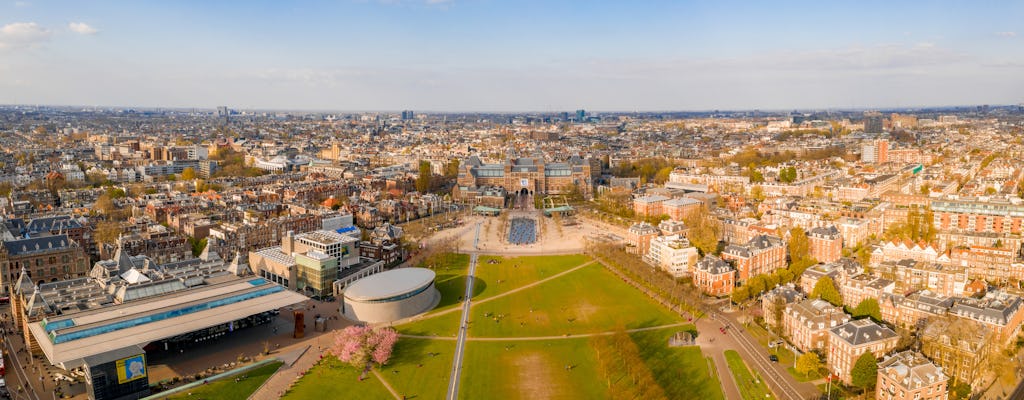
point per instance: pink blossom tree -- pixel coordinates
(359, 345)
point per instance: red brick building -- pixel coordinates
(761, 255)
(714, 276)
(826, 243)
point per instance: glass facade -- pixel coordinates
(56, 337)
(401, 296)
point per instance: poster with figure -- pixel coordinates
(524, 182)
(131, 368)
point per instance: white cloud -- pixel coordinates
(1007, 34)
(23, 34)
(82, 28)
(22, 4)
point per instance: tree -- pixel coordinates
(451, 170)
(787, 175)
(423, 181)
(865, 371)
(105, 204)
(107, 232)
(826, 290)
(662, 175)
(868, 308)
(188, 174)
(703, 230)
(5, 189)
(757, 193)
(808, 363)
(799, 251)
(360, 345)
(959, 391)
(740, 294)
(197, 245)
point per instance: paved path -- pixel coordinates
(779, 381)
(460, 346)
(524, 287)
(386, 384)
(559, 337)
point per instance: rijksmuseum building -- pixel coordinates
(490, 183)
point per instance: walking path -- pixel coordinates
(528, 338)
(460, 346)
(278, 383)
(524, 287)
(782, 384)
(386, 384)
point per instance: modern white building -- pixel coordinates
(390, 296)
(674, 254)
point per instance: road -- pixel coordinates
(14, 363)
(775, 375)
(779, 381)
(460, 345)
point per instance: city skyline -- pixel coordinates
(450, 56)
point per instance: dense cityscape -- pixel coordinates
(353, 200)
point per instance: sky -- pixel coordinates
(491, 55)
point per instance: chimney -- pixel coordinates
(288, 244)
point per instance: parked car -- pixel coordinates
(773, 358)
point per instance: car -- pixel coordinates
(773, 358)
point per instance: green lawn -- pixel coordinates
(333, 379)
(412, 372)
(751, 388)
(451, 280)
(429, 381)
(515, 272)
(587, 300)
(531, 370)
(682, 371)
(228, 389)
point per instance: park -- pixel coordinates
(547, 326)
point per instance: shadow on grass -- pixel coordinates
(682, 372)
(408, 351)
(453, 290)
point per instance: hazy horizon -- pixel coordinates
(479, 56)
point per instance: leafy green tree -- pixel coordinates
(197, 245)
(825, 289)
(787, 175)
(959, 391)
(808, 363)
(755, 175)
(451, 170)
(865, 371)
(868, 308)
(740, 294)
(799, 251)
(423, 181)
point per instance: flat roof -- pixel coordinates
(389, 284)
(72, 352)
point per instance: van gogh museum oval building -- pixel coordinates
(390, 296)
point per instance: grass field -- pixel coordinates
(751, 388)
(228, 389)
(588, 300)
(514, 272)
(415, 373)
(682, 371)
(451, 280)
(531, 370)
(332, 379)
